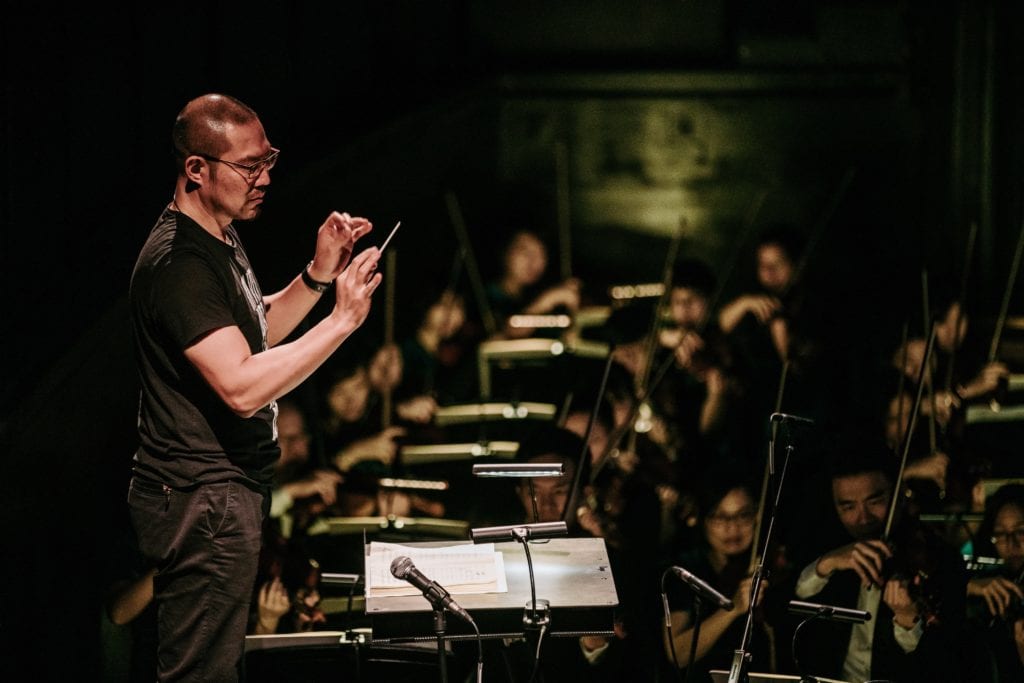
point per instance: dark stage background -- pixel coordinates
(667, 109)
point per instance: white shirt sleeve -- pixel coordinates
(810, 583)
(593, 655)
(908, 638)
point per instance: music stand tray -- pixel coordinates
(573, 574)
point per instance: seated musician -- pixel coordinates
(702, 357)
(590, 657)
(995, 600)
(777, 252)
(972, 377)
(295, 478)
(518, 289)
(434, 361)
(910, 636)
(777, 320)
(352, 427)
(727, 509)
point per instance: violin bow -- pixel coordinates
(651, 342)
(908, 438)
(928, 378)
(819, 228)
(564, 212)
(965, 274)
(472, 269)
(1011, 280)
(767, 473)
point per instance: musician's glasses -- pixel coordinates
(1003, 537)
(743, 518)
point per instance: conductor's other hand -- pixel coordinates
(335, 241)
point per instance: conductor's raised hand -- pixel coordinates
(355, 286)
(335, 241)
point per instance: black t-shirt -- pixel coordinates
(186, 284)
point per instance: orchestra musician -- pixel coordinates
(995, 599)
(515, 291)
(727, 509)
(912, 632)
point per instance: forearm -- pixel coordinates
(712, 412)
(132, 600)
(287, 308)
(731, 315)
(247, 382)
(711, 629)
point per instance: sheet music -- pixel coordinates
(462, 569)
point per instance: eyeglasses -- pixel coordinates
(1003, 537)
(741, 518)
(249, 171)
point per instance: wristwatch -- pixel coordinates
(315, 285)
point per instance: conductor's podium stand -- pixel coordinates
(573, 574)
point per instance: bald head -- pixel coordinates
(201, 127)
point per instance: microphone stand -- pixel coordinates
(440, 626)
(696, 636)
(741, 658)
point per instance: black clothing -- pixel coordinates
(823, 645)
(720, 656)
(202, 472)
(186, 284)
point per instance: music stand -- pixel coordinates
(575, 572)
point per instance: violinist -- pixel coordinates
(777, 253)
(352, 427)
(704, 387)
(907, 638)
(432, 367)
(727, 507)
(519, 290)
(995, 600)
(957, 357)
(770, 325)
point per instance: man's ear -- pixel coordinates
(194, 166)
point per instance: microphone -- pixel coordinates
(784, 417)
(829, 612)
(702, 589)
(403, 568)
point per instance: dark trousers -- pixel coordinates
(205, 543)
